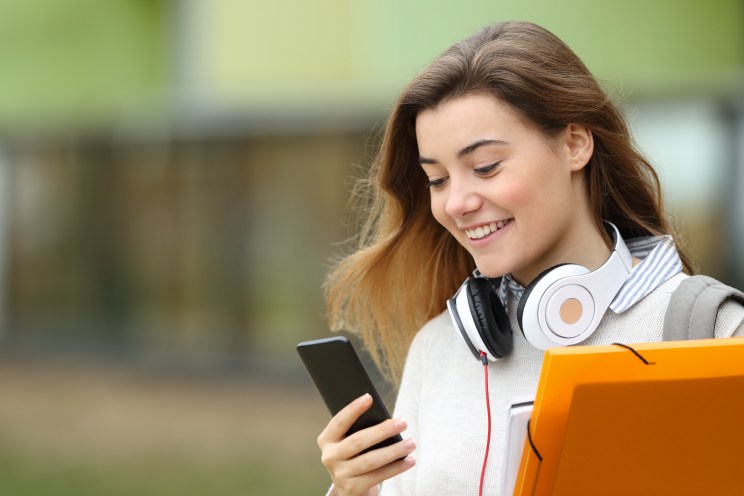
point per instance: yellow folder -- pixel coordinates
(661, 418)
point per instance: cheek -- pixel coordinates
(529, 188)
(437, 209)
(516, 194)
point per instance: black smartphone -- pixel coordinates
(340, 378)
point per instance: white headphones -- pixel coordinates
(561, 307)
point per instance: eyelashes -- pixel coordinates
(436, 183)
(484, 172)
(487, 170)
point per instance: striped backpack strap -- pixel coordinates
(694, 307)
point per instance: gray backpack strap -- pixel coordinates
(694, 307)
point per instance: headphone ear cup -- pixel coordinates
(528, 290)
(489, 316)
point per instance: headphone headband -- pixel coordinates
(620, 247)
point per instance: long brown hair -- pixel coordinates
(406, 265)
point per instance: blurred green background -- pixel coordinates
(174, 177)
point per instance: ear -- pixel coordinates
(579, 145)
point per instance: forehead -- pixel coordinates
(464, 118)
(476, 104)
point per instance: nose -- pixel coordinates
(462, 199)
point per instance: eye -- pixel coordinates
(437, 183)
(486, 170)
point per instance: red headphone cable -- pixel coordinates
(484, 360)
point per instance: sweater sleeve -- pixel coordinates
(730, 320)
(407, 408)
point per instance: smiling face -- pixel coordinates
(512, 197)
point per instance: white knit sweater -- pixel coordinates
(442, 393)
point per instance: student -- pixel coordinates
(506, 156)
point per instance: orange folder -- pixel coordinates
(606, 423)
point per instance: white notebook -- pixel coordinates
(518, 416)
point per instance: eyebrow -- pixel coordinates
(468, 149)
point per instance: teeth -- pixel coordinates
(485, 230)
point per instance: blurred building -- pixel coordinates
(174, 174)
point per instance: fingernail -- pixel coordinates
(409, 444)
(364, 398)
(409, 460)
(400, 424)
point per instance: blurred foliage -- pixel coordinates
(81, 60)
(97, 63)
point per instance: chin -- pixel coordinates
(492, 270)
(492, 274)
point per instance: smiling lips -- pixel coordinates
(485, 230)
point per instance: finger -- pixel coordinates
(371, 479)
(343, 420)
(391, 470)
(380, 458)
(359, 441)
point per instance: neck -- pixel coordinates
(584, 244)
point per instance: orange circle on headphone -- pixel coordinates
(571, 311)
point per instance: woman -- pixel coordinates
(504, 155)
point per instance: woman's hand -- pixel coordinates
(354, 473)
